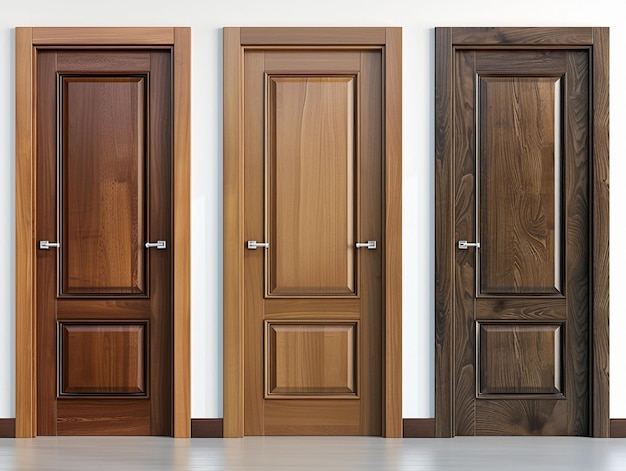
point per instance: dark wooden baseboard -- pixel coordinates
(214, 428)
(411, 428)
(618, 428)
(425, 428)
(7, 428)
(207, 428)
(418, 428)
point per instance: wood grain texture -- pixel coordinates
(392, 210)
(600, 218)
(25, 302)
(254, 229)
(537, 350)
(578, 64)
(312, 417)
(550, 62)
(327, 149)
(102, 212)
(233, 199)
(46, 262)
(464, 227)
(129, 308)
(521, 309)
(578, 238)
(311, 359)
(370, 342)
(233, 235)
(311, 191)
(533, 36)
(444, 236)
(27, 41)
(104, 61)
(102, 359)
(106, 181)
(182, 233)
(123, 417)
(292, 61)
(523, 417)
(122, 36)
(313, 36)
(526, 248)
(283, 308)
(520, 203)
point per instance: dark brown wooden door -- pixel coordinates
(521, 187)
(313, 190)
(104, 314)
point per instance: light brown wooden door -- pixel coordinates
(104, 313)
(521, 166)
(313, 190)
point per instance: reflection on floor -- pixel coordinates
(312, 453)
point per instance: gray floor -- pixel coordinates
(303, 454)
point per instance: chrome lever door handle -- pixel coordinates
(463, 244)
(253, 245)
(45, 245)
(159, 244)
(369, 245)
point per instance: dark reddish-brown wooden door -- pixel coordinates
(104, 314)
(521, 192)
(313, 194)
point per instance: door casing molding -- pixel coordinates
(236, 40)
(27, 41)
(596, 40)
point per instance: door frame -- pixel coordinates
(27, 41)
(596, 41)
(236, 41)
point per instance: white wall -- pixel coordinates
(206, 18)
